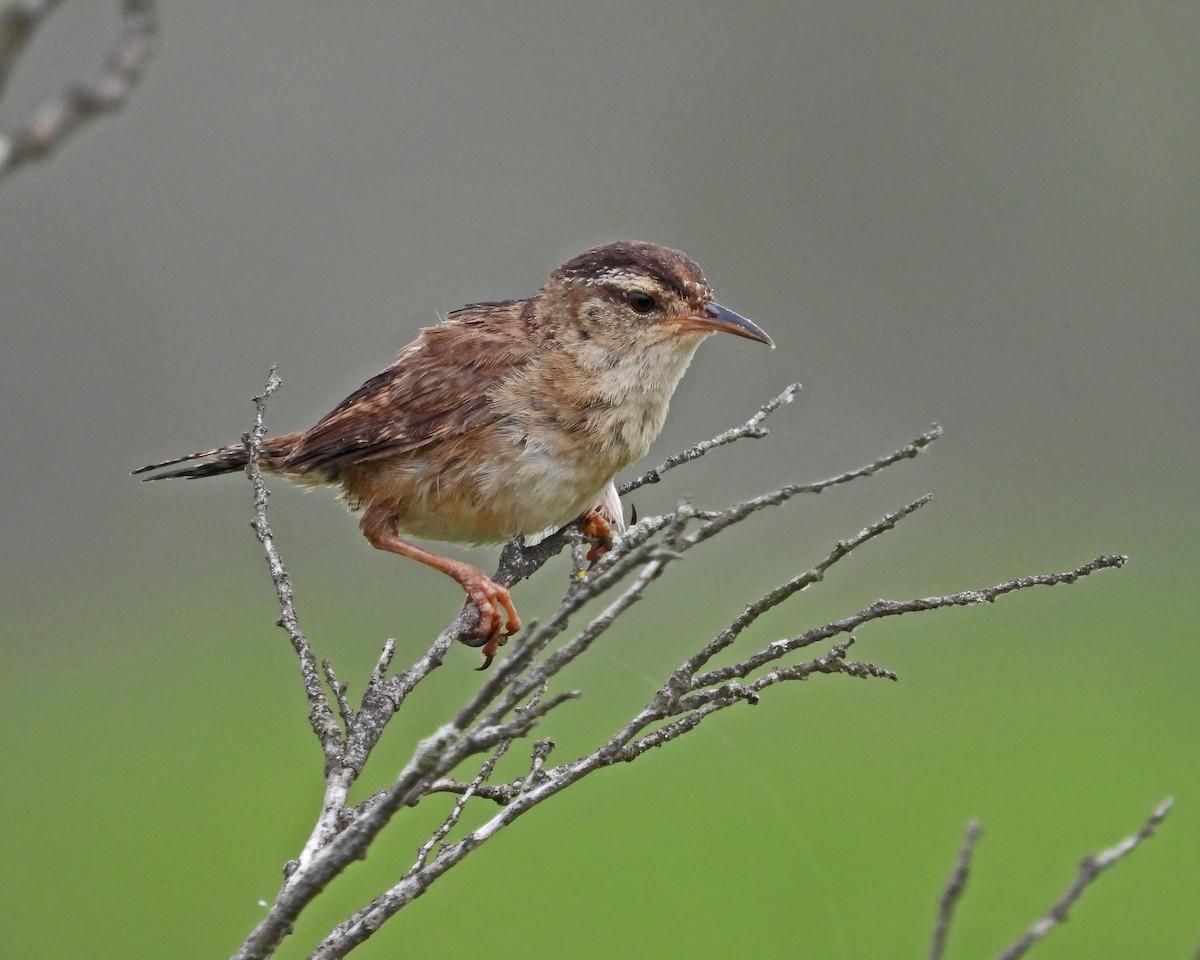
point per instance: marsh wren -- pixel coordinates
(509, 417)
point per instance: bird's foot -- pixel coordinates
(597, 527)
(490, 598)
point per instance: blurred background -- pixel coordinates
(984, 215)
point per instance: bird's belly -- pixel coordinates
(538, 488)
(527, 489)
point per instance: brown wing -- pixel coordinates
(439, 387)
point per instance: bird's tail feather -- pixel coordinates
(222, 460)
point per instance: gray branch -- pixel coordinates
(517, 695)
(82, 102)
(954, 891)
(320, 715)
(1089, 869)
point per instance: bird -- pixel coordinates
(508, 417)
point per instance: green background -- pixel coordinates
(980, 214)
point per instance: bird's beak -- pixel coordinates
(714, 318)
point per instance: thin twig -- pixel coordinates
(384, 696)
(735, 514)
(815, 574)
(954, 891)
(55, 120)
(1089, 869)
(501, 793)
(624, 747)
(891, 608)
(832, 662)
(320, 713)
(485, 771)
(339, 692)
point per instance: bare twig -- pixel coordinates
(719, 520)
(485, 771)
(501, 793)
(954, 891)
(772, 599)
(1089, 869)
(338, 689)
(55, 120)
(891, 608)
(320, 714)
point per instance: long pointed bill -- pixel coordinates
(715, 318)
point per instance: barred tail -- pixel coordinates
(222, 460)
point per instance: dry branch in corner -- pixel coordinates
(1089, 869)
(82, 102)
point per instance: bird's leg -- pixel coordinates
(379, 527)
(597, 527)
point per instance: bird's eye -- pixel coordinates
(640, 302)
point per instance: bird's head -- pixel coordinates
(631, 296)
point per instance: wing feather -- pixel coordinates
(438, 388)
